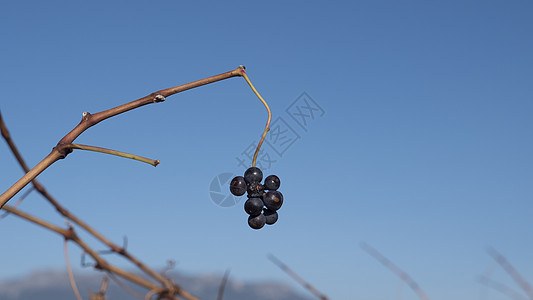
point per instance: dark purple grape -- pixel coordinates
(273, 200)
(253, 206)
(253, 174)
(271, 216)
(272, 182)
(255, 189)
(238, 186)
(257, 222)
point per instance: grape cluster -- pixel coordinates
(263, 199)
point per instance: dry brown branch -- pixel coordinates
(396, 270)
(502, 288)
(88, 120)
(101, 264)
(11, 144)
(223, 285)
(168, 289)
(70, 234)
(64, 212)
(70, 273)
(296, 277)
(35, 220)
(517, 277)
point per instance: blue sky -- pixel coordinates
(423, 150)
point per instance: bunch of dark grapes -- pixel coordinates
(264, 200)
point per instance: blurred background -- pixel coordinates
(403, 124)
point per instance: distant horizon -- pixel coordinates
(90, 280)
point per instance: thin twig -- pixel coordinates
(115, 152)
(26, 194)
(500, 287)
(70, 273)
(28, 217)
(88, 120)
(11, 144)
(170, 265)
(103, 287)
(396, 270)
(223, 285)
(517, 277)
(101, 293)
(296, 277)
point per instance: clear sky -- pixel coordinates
(422, 146)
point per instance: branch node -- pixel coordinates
(63, 150)
(242, 70)
(159, 98)
(85, 116)
(70, 234)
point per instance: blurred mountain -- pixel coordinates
(54, 285)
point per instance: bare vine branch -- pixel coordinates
(101, 264)
(168, 289)
(11, 144)
(64, 212)
(35, 220)
(88, 120)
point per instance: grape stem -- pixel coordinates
(267, 126)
